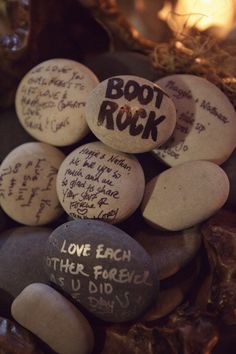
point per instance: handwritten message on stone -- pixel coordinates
(206, 121)
(102, 268)
(97, 182)
(28, 183)
(130, 114)
(50, 101)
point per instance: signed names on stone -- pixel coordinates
(28, 183)
(51, 98)
(96, 182)
(206, 122)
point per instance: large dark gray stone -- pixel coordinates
(102, 268)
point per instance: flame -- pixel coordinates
(202, 14)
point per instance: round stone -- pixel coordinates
(52, 318)
(170, 251)
(110, 64)
(51, 99)
(102, 268)
(130, 114)
(230, 169)
(185, 195)
(97, 182)
(21, 258)
(28, 183)
(206, 121)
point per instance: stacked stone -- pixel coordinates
(88, 166)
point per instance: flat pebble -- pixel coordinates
(110, 64)
(206, 121)
(170, 251)
(21, 258)
(51, 99)
(229, 167)
(185, 195)
(97, 182)
(28, 183)
(102, 268)
(51, 317)
(130, 114)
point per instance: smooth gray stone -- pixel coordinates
(229, 166)
(121, 63)
(102, 268)
(54, 319)
(170, 251)
(21, 259)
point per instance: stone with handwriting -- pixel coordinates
(130, 114)
(28, 183)
(185, 195)
(51, 98)
(97, 182)
(206, 122)
(54, 319)
(102, 268)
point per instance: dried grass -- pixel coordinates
(198, 54)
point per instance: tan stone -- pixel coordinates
(206, 122)
(51, 317)
(51, 99)
(185, 195)
(28, 183)
(97, 182)
(130, 114)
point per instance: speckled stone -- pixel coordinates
(52, 318)
(206, 121)
(28, 183)
(229, 167)
(121, 63)
(21, 258)
(185, 195)
(97, 182)
(102, 268)
(51, 99)
(170, 251)
(130, 114)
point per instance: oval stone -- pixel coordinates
(185, 195)
(102, 268)
(55, 320)
(28, 183)
(21, 254)
(51, 98)
(206, 121)
(97, 182)
(170, 251)
(130, 114)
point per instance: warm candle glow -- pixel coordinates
(202, 14)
